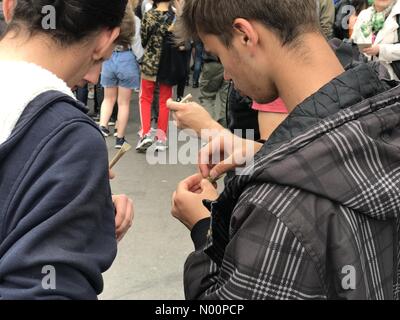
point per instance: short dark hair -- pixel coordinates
(288, 19)
(76, 20)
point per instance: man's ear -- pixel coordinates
(246, 32)
(105, 42)
(8, 9)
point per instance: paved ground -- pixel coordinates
(150, 260)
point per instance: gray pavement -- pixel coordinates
(150, 259)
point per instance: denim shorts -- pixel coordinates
(121, 70)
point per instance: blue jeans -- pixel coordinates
(198, 60)
(82, 94)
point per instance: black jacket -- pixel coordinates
(317, 214)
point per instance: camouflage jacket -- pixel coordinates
(155, 25)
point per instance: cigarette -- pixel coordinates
(187, 98)
(125, 148)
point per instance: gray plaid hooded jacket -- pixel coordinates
(317, 216)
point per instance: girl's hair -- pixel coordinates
(360, 5)
(75, 20)
(127, 27)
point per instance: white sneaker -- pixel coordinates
(144, 144)
(161, 146)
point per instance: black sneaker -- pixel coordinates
(195, 85)
(119, 142)
(105, 131)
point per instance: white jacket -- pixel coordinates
(387, 38)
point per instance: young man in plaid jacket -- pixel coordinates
(316, 215)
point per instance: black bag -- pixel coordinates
(173, 67)
(396, 64)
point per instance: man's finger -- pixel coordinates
(189, 183)
(122, 230)
(222, 167)
(175, 106)
(208, 154)
(111, 174)
(126, 222)
(206, 184)
(120, 204)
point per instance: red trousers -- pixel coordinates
(145, 101)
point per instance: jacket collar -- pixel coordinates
(356, 84)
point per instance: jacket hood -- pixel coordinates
(21, 83)
(354, 113)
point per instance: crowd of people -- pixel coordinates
(314, 213)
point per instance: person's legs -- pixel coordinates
(165, 94)
(180, 90)
(136, 79)
(109, 81)
(155, 104)
(220, 104)
(110, 97)
(82, 94)
(198, 62)
(124, 99)
(210, 83)
(145, 100)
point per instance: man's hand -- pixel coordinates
(123, 212)
(111, 174)
(226, 152)
(123, 216)
(192, 116)
(372, 51)
(187, 201)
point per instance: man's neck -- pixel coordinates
(60, 62)
(303, 74)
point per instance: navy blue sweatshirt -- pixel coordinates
(56, 210)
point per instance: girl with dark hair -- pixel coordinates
(56, 207)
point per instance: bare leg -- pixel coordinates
(110, 97)
(124, 100)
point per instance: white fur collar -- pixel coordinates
(20, 83)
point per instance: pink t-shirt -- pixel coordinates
(276, 106)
